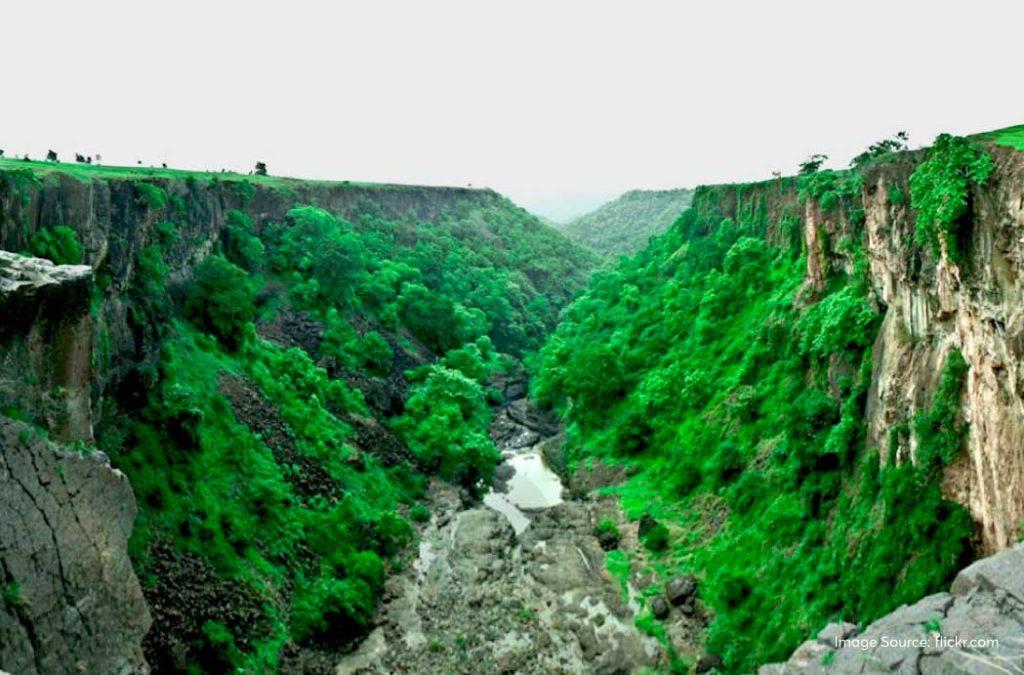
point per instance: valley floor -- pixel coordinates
(477, 597)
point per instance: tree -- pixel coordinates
(812, 164)
(79, 158)
(51, 156)
(221, 300)
(261, 169)
(883, 147)
(1, 152)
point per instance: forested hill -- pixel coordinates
(624, 225)
(278, 366)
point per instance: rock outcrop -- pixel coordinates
(975, 306)
(977, 627)
(46, 344)
(932, 305)
(69, 599)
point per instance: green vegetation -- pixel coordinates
(1012, 137)
(248, 456)
(623, 226)
(742, 416)
(58, 244)
(940, 191)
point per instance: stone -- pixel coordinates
(46, 344)
(681, 589)
(1003, 571)
(659, 607)
(65, 519)
(708, 663)
(832, 633)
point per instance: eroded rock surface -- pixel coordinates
(477, 599)
(985, 604)
(69, 599)
(46, 343)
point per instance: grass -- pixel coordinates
(87, 172)
(1011, 137)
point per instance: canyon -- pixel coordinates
(502, 569)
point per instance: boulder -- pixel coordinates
(680, 590)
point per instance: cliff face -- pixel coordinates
(932, 306)
(975, 306)
(70, 599)
(45, 343)
(116, 218)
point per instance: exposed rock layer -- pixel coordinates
(46, 344)
(70, 600)
(931, 306)
(977, 627)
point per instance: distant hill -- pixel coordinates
(624, 225)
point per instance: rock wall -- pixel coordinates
(69, 599)
(45, 344)
(976, 307)
(115, 221)
(931, 306)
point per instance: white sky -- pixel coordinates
(557, 104)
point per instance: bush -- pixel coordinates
(445, 424)
(58, 244)
(940, 190)
(220, 300)
(241, 246)
(656, 538)
(152, 196)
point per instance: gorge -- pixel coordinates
(271, 425)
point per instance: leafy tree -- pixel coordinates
(812, 164)
(220, 299)
(882, 148)
(261, 169)
(241, 246)
(51, 156)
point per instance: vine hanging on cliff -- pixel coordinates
(940, 190)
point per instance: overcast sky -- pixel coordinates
(557, 104)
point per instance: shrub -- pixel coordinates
(940, 190)
(58, 244)
(152, 196)
(220, 300)
(241, 246)
(656, 538)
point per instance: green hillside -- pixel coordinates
(623, 226)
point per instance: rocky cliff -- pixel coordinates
(931, 305)
(116, 217)
(70, 599)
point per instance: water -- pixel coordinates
(532, 486)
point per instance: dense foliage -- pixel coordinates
(623, 226)
(742, 412)
(250, 457)
(940, 191)
(58, 244)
